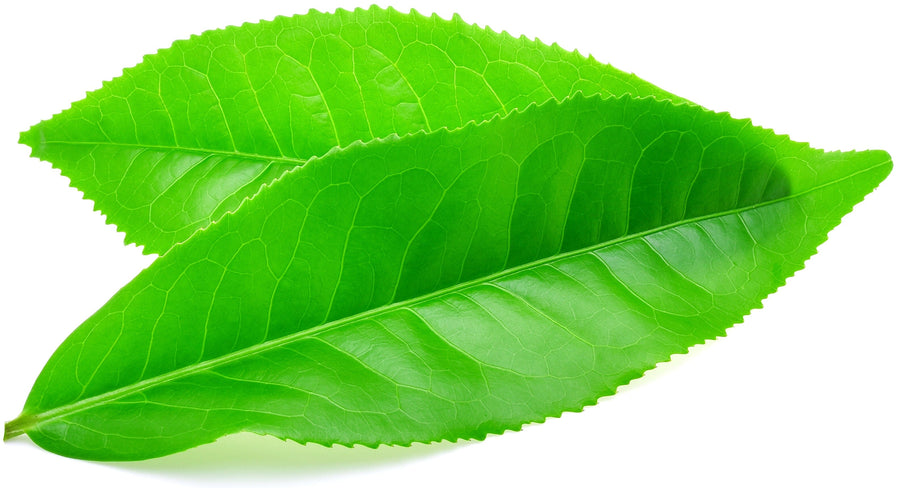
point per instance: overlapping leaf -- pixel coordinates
(182, 138)
(453, 282)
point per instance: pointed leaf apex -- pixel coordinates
(28, 137)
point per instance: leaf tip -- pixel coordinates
(28, 137)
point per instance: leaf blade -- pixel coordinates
(821, 185)
(260, 98)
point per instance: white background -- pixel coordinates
(805, 393)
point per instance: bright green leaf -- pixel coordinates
(449, 285)
(182, 138)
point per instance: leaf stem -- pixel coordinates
(17, 426)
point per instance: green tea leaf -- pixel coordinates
(449, 285)
(185, 136)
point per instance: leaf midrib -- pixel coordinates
(260, 157)
(25, 422)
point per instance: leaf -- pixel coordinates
(449, 285)
(182, 138)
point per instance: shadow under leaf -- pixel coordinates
(254, 455)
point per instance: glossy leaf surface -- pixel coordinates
(186, 135)
(449, 285)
